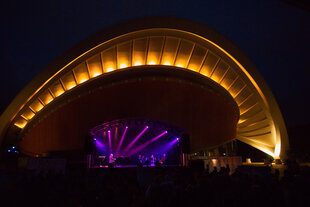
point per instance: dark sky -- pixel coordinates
(274, 35)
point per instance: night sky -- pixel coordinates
(273, 34)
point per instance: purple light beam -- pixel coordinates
(110, 143)
(136, 139)
(167, 147)
(142, 146)
(99, 145)
(122, 139)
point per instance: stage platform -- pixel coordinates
(134, 166)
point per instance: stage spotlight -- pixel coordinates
(122, 139)
(110, 141)
(9, 150)
(13, 147)
(135, 140)
(142, 146)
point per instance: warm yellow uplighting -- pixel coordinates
(24, 117)
(265, 150)
(110, 69)
(57, 89)
(193, 68)
(123, 65)
(21, 124)
(277, 150)
(241, 121)
(36, 106)
(205, 74)
(59, 92)
(138, 63)
(46, 97)
(81, 73)
(71, 86)
(28, 114)
(172, 48)
(83, 80)
(96, 74)
(48, 100)
(215, 78)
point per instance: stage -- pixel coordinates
(136, 166)
(133, 142)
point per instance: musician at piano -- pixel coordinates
(111, 159)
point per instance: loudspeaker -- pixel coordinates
(185, 140)
(89, 144)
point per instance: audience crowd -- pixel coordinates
(158, 186)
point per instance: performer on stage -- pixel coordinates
(144, 160)
(156, 160)
(163, 159)
(152, 160)
(140, 160)
(111, 159)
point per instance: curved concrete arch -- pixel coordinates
(160, 41)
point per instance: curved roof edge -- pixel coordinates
(146, 23)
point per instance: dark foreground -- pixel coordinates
(247, 186)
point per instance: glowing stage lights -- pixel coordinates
(136, 139)
(122, 139)
(13, 150)
(110, 142)
(141, 147)
(133, 136)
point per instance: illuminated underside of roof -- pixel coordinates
(260, 125)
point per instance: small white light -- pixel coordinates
(110, 69)
(138, 63)
(123, 65)
(96, 74)
(70, 87)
